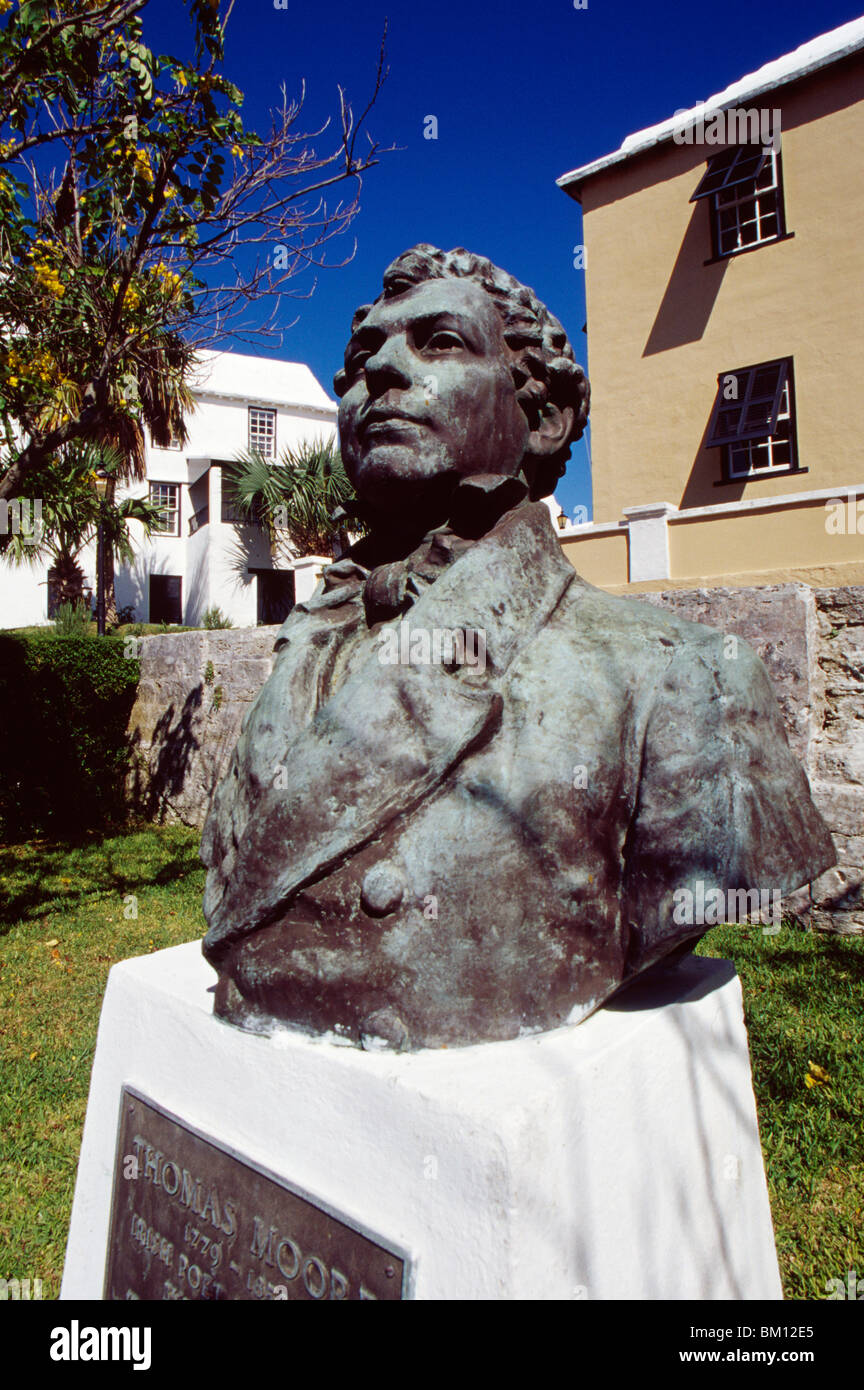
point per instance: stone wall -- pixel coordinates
(836, 768)
(196, 686)
(812, 642)
(194, 690)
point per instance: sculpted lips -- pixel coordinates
(381, 420)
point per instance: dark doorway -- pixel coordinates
(275, 596)
(166, 598)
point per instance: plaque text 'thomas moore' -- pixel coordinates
(177, 1182)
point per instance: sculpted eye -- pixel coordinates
(443, 340)
(363, 345)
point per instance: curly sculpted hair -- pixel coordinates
(543, 364)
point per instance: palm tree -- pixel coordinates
(153, 395)
(158, 388)
(70, 515)
(294, 497)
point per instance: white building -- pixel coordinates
(201, 558)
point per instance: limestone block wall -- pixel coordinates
(196, 686)
(837, 766)
(812, 642)
(194, 690)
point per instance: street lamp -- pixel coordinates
(101, 483)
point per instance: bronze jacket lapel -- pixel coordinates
(383, 739)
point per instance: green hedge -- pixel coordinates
(64, 709)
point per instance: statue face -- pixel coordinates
(430, 397)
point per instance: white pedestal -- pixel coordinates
(616, 1159)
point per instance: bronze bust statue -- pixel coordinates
(400, 852)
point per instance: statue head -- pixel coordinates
(456, 369)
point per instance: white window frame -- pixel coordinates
(170, 506)
(262, 431)
(760, 200)
(754, 449)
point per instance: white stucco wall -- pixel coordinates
(212, 563)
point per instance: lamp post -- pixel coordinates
(101, 482)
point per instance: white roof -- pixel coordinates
(266, 379)
(810, 57)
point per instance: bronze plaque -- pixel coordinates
(190, 1219)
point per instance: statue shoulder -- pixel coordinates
(638, 626)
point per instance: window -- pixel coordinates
(745, 186)
(753, 420)
(166, 496)
(235, 515)
(773, 453)
(262, 432)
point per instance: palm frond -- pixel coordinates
(295, 495)
(70, 508)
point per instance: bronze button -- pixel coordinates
(383, 889)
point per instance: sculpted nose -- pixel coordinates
(387, 368)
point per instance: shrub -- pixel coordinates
(72, 620)
(64, 710)
(214, 617)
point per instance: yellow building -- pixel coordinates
(724, 256)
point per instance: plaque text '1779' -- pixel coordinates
(192, 1220)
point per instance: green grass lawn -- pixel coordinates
(66, 915)
(804, 1004)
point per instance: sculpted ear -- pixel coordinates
(553, 432)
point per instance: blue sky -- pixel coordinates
(522, 93)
